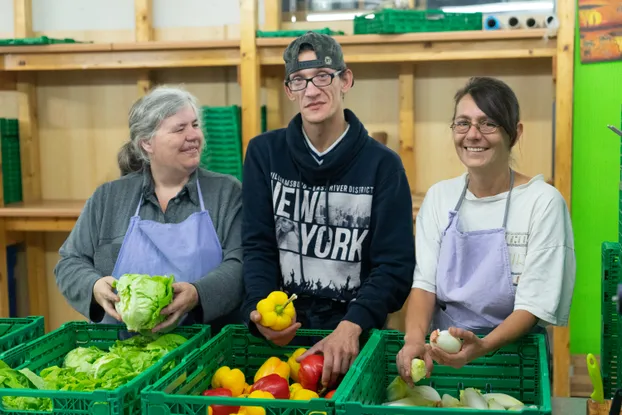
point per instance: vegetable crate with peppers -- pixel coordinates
(93, 369)
(238, 373)
(16, 331)
(514, 377)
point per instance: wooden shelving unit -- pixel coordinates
(258, 61)
(425, 47)
(149, 55)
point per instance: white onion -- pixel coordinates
(447, 342)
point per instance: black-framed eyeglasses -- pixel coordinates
(320, 80)
(484, 127)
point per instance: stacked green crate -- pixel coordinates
(11, 163)
(223, 139)
(611, 324)
(610, 321)
(392, 21)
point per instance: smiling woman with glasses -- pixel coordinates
(495, 250)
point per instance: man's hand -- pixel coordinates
(105, 296)
(185, 298)
(280, 338)
(473, 347)
(340, 349)
(405, 356)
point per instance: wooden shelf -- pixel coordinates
(441, 46)
(135, 55)
(45, 216)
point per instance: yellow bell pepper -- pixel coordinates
(294, 387)
(255, 410)
(232, 379)
(247, 389)
(294, 366)
(277, 311)
(303, 395)
(273, 365)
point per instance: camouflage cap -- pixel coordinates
(328, 51)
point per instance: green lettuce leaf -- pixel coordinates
(142, 298)
(82, 358)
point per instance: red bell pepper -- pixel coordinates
(273, 383)
(310, 373)
(220, 409)
(330, 394)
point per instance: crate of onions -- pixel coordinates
(513, 378)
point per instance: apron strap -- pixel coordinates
(464, 189)
(507, 201)
(200, 193)
(140, 202)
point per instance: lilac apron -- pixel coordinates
(474, 287)
(189, 250)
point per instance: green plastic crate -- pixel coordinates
(51, 349)
(178, 393)
(297, 33)
(393, 21)
(11, 160)
(9, 127)
(16, 331)
(31, 41)
(611, 273)
(520, 370)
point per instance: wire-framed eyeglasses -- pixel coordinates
(320, 80)
(484, 127)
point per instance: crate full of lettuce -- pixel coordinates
(84, 368)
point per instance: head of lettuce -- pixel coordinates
(142, 298)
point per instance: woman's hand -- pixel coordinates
(185, 298)
(405, 356)
(105, 296)
(472, 348)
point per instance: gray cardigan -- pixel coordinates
(91, 250)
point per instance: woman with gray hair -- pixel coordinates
(165, 215)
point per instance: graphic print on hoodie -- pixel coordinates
(316, 258)
(340, 230)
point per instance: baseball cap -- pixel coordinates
(328, 51)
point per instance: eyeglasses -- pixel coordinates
(484, 127)
(320, 80)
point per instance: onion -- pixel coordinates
(445, 341)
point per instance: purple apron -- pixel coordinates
(189, 250)
(474, 287)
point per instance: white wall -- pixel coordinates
(82, 15)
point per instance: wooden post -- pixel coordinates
(250, 73)
(564, 79)
(407, 120)
(22, 17)
(143, 32)
(31, 173)
(273, 80)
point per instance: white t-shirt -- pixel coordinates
(538, 233)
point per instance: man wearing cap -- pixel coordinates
(327, 213)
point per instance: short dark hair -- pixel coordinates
(496, 99)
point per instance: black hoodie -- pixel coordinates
(356, 239)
